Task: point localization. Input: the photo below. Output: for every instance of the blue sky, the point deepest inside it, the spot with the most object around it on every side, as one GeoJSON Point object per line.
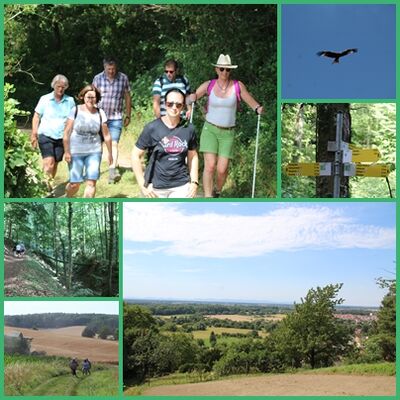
{"type": "Point", "coordinates": [368, 74]}
{"type": "Point", "coordinates": [267, 252]}
{"type": "Point", "coordinates": [74, 307]}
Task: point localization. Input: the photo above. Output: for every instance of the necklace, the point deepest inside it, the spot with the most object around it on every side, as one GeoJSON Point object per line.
{"type": "Point", "coordinates": [223, 89]}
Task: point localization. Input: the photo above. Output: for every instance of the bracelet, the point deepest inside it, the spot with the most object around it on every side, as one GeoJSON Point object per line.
{"type": "Point", "coordinates": [255, 110]}
{"type": "Point", "coordinates": [195, 182]}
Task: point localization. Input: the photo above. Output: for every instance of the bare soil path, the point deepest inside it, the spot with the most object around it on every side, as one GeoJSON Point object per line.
{"type": "Point", "coordinates": [285, 385]}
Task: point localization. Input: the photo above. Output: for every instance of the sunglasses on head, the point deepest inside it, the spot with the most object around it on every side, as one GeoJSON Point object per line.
{"type": "Point", "coordinates": [168, 71]}
{"type": "Point", "coordinates": [170, 104]}
{"type": "Point", "coordinates": [223, 69]}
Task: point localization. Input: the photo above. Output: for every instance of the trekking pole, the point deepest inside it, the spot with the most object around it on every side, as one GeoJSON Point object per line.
{"type": "Point", "coordinates": [255, 157]}
{"type": "Point", "coordinates": [191, 114]}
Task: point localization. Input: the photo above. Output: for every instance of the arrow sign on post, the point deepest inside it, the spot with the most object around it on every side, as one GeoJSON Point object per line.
{"type": "Point", "coordinates": [365, 155]}
{"type": "Point", "coordinates": [308, 169]}
{"type": "Point", "coordinates": [377, 170]}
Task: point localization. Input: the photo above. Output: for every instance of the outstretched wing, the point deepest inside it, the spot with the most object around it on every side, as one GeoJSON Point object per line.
{"type": "Point", "coordinates": [326, 53]}
{"type": "Point", "coordinates": [348, 51]}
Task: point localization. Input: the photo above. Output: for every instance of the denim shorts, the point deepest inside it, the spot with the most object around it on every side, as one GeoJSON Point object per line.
{"type": "Point", "coordinates": [84, 166]}
{"type": "Point", "coordinates": [115, 128]}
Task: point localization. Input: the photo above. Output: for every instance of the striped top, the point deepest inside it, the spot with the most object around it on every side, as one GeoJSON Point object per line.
{"type": "Point", "coordinates": [163, 84]}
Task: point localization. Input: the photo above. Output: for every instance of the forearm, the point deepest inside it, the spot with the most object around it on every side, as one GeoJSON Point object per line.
{"type": "Point", "coordinates": [128, 104]}
{"type": "Point", "coordinates": [137, 167]}
{"type": "Point", "coordinates": [35, 124]}
{"type": "Point", "coordinates": [193, 165]}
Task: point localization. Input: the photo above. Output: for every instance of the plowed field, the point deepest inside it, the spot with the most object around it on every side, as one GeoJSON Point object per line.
{"type": "Point", "coordinates": [68, 342]}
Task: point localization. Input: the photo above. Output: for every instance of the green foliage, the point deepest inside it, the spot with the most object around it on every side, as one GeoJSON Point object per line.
{"type": "Point", "coordinates": [382, 345]}
{"type": "Point", "coordinates": [311, 334]}
{"type": "Point", "coordinates": [88, 332]}
{"type": "Point", "coordinates": [213, 339]}
{"type": "Point", "coordinates": [22, 174]}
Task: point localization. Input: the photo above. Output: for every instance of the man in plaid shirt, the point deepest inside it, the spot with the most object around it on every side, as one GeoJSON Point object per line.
{"type": "Point", "coordinates": [114, 88]}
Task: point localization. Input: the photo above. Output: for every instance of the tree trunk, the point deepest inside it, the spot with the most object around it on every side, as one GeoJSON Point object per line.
{"type": "Point", "coordinates": [326, 131]}
{"type": "Point", "coordinates": [69, 274]}
{"type": "Point", "coordinates": [111, 213]}
{"type": "Point", "coordinates": [55, 244]}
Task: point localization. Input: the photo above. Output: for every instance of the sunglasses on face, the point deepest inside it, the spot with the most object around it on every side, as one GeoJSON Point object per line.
{"type": "Point", "coordinates": [170, 104]}
{"type": "Point", "coordinates": [168, 71]}
{"type": "Point", "coordinates": [225, 69]}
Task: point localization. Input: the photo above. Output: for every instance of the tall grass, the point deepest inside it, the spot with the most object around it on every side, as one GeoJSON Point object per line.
{"type": "Point", "coordinates": [25, 375]}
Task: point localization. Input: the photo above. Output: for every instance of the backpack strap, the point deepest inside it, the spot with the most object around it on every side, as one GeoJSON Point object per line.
{"type": "Point", "coordinates": [210, 87]}
{"type": "Point", "coordinates": [101, 123]}
{"type": "Point", "coordinates": [76, 112]}
{"type": "Point", "coordinates": [237, 91]}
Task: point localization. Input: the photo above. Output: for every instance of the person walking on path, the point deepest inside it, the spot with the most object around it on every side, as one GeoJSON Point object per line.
{"type": "Point", "coordinates": [85, 130]}
{"type": "Point", "coordinates": [172, 170]}
{"type": "Point", "coordinates": [48, 125]}
{"type": "Point", "coordinates": [169, 80]}
{"type": "Point", "coordinates": [74, 366]}
{"type": "Point", "coordinates": [115, 92]}
{"type": "Point", "coordinates": [217, 137]}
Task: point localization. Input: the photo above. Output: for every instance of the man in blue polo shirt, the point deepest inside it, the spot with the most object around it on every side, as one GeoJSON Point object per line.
{"type": "Point", "coordinates": [169, 80]}
{"type": "Point", "coordinates": [48, 124]}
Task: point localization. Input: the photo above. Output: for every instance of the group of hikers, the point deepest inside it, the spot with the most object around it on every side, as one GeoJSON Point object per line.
{"type": "Point", "coordinates": [86, 366]}
{"type": "Point", "coordinates": [19, 249]}
{"type": "Point", "coordinates": [62, 129]}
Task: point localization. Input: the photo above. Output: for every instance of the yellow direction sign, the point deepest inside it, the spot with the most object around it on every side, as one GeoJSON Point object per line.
{"type": "Point", "coordinates": [376, 170]}
{"type": "Point", "coordinates": [365, 155]}
{"type": "Point", "coordinates": [308, 169]}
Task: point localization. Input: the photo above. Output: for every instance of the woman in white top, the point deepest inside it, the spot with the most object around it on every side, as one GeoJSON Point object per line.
{"type": "Point", "coordinates": [84, 133]}
{"type": "Point", "coordinates": [216, 140]}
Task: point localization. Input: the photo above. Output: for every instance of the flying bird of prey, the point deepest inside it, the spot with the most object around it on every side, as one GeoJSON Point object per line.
{"type": "Point", "coordinates": [336, 56]}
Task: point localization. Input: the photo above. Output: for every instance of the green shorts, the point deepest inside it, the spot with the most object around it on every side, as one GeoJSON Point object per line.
{"type": "Point", "coordinates": [216, 140]}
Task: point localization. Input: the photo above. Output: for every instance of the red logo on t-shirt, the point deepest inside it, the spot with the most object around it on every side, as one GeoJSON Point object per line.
{"type": "Point", "coordinates": [174, 145]}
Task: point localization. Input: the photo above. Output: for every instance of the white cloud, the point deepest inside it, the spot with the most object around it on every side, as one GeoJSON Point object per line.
{"type": "Point", "coordinates": [289, 228]}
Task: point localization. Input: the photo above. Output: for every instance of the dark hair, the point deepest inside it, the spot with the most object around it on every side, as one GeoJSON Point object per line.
{"type": "Point", "coordinates": [171, 62]}
{"type": "Point", "coordinates": [175, 90]}
{"type": "Point", "coordinates": [89, 88]}
{"type": "Point", "coordinates": [109, 60]}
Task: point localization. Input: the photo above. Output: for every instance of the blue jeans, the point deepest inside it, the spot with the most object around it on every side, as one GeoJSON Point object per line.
{"type": "Point", "coordinates": [115, 128]}
{"type": "Point", "coordinates": [84, 166]}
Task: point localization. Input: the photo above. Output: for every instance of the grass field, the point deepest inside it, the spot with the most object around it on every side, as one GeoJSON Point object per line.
{"type": "Point", "coordinates": [45, 376]}
{"type": "Point", "coordinates": [205, 335]}
{"type": "Point", "coordinates": [247, 318]}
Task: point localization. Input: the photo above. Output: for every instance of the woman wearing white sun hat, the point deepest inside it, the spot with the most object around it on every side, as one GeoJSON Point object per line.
{"type": "Point", "coordinates": [216, 140]}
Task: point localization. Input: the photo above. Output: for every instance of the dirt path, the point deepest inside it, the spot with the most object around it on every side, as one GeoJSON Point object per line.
{"type": "Point", "coordinates": [12, 266]}
{"type": "Point", "coordinates": [285, 385]}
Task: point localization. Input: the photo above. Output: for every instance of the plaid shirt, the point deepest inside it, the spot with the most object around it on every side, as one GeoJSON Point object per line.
{"type": "Point", "coordinates": [112, 93]}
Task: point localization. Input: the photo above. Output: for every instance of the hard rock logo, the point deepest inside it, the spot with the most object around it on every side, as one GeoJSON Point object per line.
{"type": "Point", "coordinates": [173, 145]}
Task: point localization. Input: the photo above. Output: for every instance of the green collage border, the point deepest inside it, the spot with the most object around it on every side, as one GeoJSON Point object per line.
{"type": "Point", "coordinates": [278, 197]}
